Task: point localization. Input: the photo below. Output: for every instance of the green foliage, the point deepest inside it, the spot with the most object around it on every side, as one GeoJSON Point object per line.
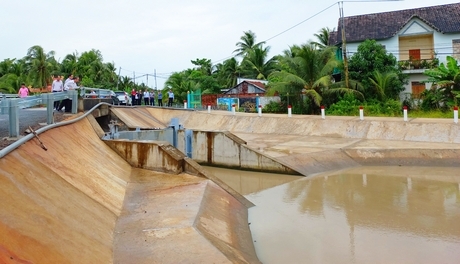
{"type": "Point", "coordinates": [87, 82]}
{"type": "Point", "coordinates": [9, 83]}
{"type": "Point", "coordinates": [446, 86]}
{"type": "Point", "coordinates": [433, 99]}
{"type": "Point", "coordinates": [275, 107]}
{"type": "Point", "coordinates": [349, 106]}
{"type": "Point", "coordinates": [372, 57]}
{"type": "Point", "coordinates": [256, 64]}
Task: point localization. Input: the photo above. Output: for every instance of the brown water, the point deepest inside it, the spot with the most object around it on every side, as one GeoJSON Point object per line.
{"type": "Point", "coordinates": [363, 215]}
{"type": "Point", "coordinates": [246, 182]}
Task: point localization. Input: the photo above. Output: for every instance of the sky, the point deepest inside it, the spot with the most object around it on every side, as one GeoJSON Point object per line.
{"type": "Point", "coordinates": [149, 40]}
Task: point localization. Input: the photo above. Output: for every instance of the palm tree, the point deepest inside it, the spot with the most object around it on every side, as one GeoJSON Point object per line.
{"type": "Point", "coordinates": [180, 84]}
{"type": "Point", "coordinates": [227, 73]}
{"type": "Point", "coordinates": [69, 64]}
{"type": "Point", "coordinates": [6, 66]}
{"type": "Point", "coordinates": [382, 82]}
{"type": "Point", "coordinates": [126, 84]}
{"type": "Point", "coordinates": [309, 72]}
{"type": "Point", "coordinates": [247, 43]}
{"type": "Point", "coordinates": [323, 38]}
{"type": "Point", "coordinates": [110, 76]}
{"type": "Point", "coordinates": [256, 65]}
{"type": "Point", "coordinates": [41, 65]}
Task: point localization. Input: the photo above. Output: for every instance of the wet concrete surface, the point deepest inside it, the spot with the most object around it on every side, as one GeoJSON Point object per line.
{"type": "Point", "coordinates": [360, 215]}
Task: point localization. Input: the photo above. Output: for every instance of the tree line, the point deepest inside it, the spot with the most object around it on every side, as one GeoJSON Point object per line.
{"type": "Point", "coordinates": [306, 75]}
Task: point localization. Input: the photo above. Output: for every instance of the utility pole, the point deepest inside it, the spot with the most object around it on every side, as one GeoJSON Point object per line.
{"type": "Point", "coordinates": [134, 78]}
{"type": "Point", "coordinates": [155, 77]}
{"type": "Point", "coordinates": [342, 21]}
{"type": "Point", "coordinates": [344, 46]}
{"type": "Point", "coordinates": [118, 77]}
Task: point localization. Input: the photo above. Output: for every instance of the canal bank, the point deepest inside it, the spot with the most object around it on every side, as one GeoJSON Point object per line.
{"type": "Point", "coordinates": [309, 144]}
{"type": "Point", "coordinates": [79, 201]}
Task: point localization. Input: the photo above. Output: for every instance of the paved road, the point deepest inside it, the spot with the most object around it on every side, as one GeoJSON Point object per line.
{"type": "Point", "coordinates": [27, 117]}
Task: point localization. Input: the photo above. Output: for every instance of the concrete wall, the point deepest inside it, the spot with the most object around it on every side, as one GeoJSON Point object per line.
{"type": "Point", "coordinates": [162, 156]}
{"type": "Point", "coordinates": [88, 103]}
{"type": "Point", "coordinates": [151, 155]}
{"type": "Point", "coordinates": [158, 135]}
{"type": "Point", "coordinates": [224, 149]}
{"type": "Point", "coordinates": [416, 130]}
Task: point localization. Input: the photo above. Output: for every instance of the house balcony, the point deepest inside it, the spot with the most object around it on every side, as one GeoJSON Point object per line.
{"type": "Point", "coordinates": [418, 66]}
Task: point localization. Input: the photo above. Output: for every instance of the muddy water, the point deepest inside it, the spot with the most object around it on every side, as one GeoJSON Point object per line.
{"type": "Point", "coordinates": [246, 182]}
{"type": "Point", "coordinates": [364, 215]}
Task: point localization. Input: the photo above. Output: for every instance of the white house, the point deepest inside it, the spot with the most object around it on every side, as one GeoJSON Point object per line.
{"type": "Point", "coordinates": [419, 38]}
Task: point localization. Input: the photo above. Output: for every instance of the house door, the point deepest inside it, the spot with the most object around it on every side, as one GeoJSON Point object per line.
{"type": "Point", "coordinates": [414, 54]}
{"type": "Point", "coordinates": [417, 89]}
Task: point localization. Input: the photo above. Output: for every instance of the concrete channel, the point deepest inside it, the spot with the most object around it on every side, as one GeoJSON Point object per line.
{"type": "Point", "coordinates": [138, 194]}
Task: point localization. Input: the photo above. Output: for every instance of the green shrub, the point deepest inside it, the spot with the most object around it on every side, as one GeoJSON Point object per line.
{"type": "Point", "coordinates": [275, 107]}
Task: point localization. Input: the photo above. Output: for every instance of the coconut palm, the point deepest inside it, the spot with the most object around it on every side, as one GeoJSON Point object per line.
{"type": "Point", "coordinates": [382, 82]}
{"type": "Point", "coordinates": [323, 38]}
{"type": "Point", "coordinates": [180, 84]}
{"type": "Point", "coordinates": [69, 64]}
{"type": "Point", "coordinates": [227, 73]}
{"type": "Point", "coordinates": [308, 72]}
{"type": "Point", "coordinates": [41, 65]}
{"type": "Point", "coordinates": [247, 43]}
{"type": "Point", "coordinates": [256, 65]}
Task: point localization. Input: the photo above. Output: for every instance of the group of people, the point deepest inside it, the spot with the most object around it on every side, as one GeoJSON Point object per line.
{"type": "Point", "coordinates": [58, 86]}
{"type": "Point", "coordinates": [148, 97]}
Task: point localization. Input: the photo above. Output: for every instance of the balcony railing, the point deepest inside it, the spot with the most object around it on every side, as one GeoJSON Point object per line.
{"type": "Point", "coordinates": [419, 64]}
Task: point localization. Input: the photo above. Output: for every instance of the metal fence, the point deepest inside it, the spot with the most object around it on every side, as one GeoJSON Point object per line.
{"type": "Point", "coordinates": [194, 99]}
{"type": "Point", "coordinates": [11, 103]}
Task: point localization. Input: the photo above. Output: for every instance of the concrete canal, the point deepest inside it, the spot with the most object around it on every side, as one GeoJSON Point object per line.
{"type": "Point", "coordinates": [138, 193]}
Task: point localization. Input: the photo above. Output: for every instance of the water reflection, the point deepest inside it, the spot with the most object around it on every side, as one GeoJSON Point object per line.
{"type": "Point", "coordinates": [246, 182]}
{"type": "Point", "coordinates": [359, 217]}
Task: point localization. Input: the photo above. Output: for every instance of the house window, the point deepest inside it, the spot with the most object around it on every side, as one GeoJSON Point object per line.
{"type": "Point", "coordinates": [414, 54]}
{"type": "Point", "coordinates": [417, 89]}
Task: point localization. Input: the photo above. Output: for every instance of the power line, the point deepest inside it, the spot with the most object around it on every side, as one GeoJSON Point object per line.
{"type": "Point", "coordinates": [284, 31]}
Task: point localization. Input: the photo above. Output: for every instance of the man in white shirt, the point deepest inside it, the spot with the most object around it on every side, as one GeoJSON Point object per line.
{"type": "Point", "coordinates": [170, 98]}
{"type": "Point", "coordinates": [70, 78]}
{"type": "Point", "coordinates": [146, 97]}
{"type": "Point", "coordinates": [69, 85]}
{"type": "Point", "coordinates": [57, 86]}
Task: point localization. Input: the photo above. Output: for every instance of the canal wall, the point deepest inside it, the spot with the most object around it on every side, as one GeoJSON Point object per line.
{"type": "Point", "coordinates": [224, 149]}
{"type": "Point", "coordinates": [374, 128]}
{"type": "Point", "coordinates": [61, 205]}
{"type": "Point", "coordinates": [79, 201]}
{"type": "Point", "coordinates": [309, 144]}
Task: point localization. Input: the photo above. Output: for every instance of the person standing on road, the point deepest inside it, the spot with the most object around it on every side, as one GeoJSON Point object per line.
{"type": "Point", "coordinates": [57, 86]}
{"type": "Point", "coordinates": [23, 91]}
{"type": "Point", "coordinates": [170, 98]}
{"type": "Point", "coordinates": [152, 98]}
{"type": "Point", "coordinates": [139, 97]}
{"type": "Point", "coordinates": [146, 97]}
{"type": "Point", "coordinates": [160, 99]}
{"type": "Point", "coordinates": [67, 103]}
{"type": "Point", "coordinates": [133, 97]}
